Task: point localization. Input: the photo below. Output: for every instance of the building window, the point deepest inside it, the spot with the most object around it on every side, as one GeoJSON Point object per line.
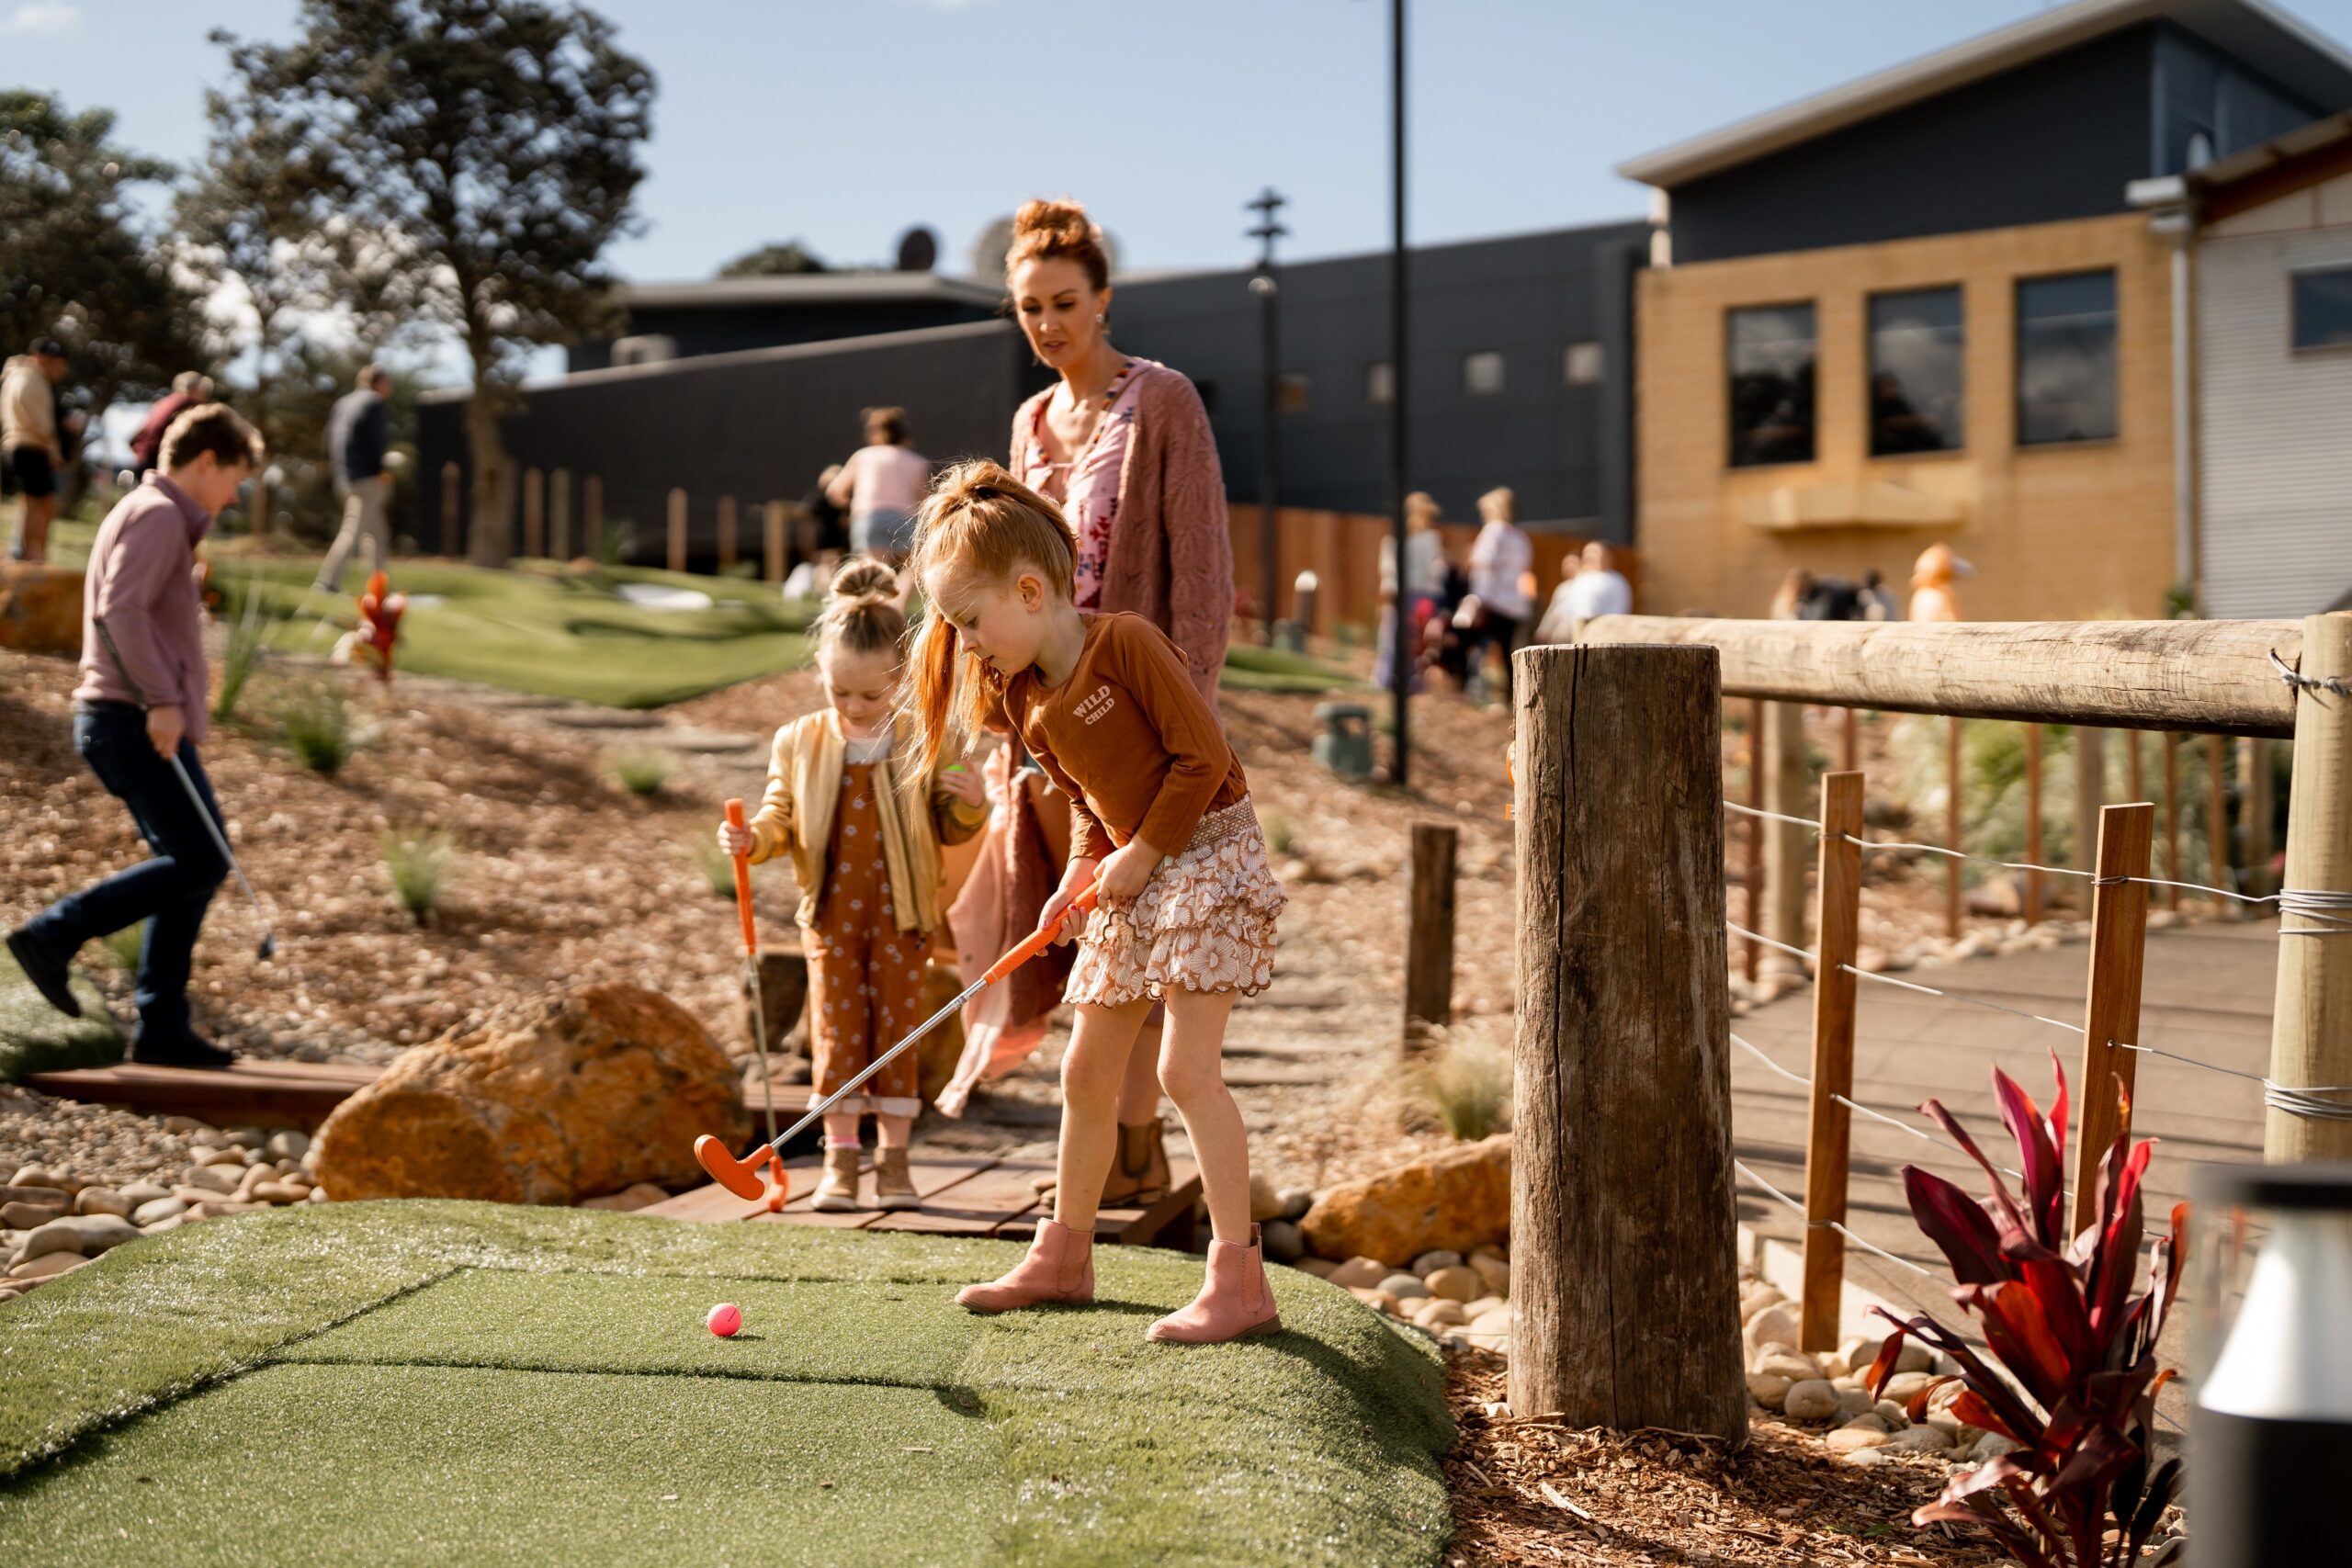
{"type": "Point", "coordinates": [1917, 346]}
{"type": "Point", "coordinates": [1290, 391]}
{"type": "Point", "coordinates": [2323, 308]}
{"type": "Point", "coordinates": [2066, 358]}
{"type": "Point", "coordinates": [1770, 350]}
{"type": "Point", "coordinates": [1581, 363]}
{"type": "Point", "coordinates": [1482, 373]}
{"type": "Point", "coordinates": [1380, 383]}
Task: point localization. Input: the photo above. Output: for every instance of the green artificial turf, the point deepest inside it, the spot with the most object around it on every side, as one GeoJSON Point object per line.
{"type": "Point", "coordinates": [1252, 668]}
{"type": "Point", "coordinates": [425, 1380]}
{"type": "Point", "coordinates": [37, 1038]}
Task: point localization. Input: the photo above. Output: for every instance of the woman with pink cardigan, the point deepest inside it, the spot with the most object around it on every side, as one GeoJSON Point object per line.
{"type": "Point", "coordinates": [1123, 445]}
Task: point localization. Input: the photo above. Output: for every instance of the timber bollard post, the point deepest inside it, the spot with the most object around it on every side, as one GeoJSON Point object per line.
{"type": "Point", "coordinates": [2311, 1028]}
{"type": "Point", "coordinates": [2111, 1004]}
{"type": "Point", "coordinates": [1428, 929]}
{"type": "Point", "coordinates": [677, 554]}
{"type": "Point", "coordinates": [1787, 845]}
{"type": "Point", "coordinates": [773, 517]}
{"type": "Point", "coordinates": [535, 513]}
{"type": "Point", "coordinates": [1624, 1251]}
{"type": "Point", "coordinates": [1829, 1123]}
{"type": "Point", "coordinates": [592, 516]}
{"type": "Point", "coordinates": [727, 526]}
{"type": "Point", "coordinates": [2033, 823]}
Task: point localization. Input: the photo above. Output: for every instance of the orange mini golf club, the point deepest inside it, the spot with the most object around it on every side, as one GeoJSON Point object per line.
{"type": "Point", "coordinates": [741, 1176]}
{"type": "Point", "coordinates": [775, 1189]}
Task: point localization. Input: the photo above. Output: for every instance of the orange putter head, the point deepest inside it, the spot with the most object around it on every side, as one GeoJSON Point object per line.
{"type": "Point", "coordinates": [779, 1183]}
{"type": "Point", "coordinates": [740, 1176]}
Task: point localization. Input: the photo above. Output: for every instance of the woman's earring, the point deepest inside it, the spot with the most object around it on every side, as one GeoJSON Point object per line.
{"type": "Point", "coordinates": [1101, 320]}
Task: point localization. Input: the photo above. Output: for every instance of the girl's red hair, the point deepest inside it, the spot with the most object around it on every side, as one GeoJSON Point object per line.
{"type": "Point", "coordinates": [978, 528]}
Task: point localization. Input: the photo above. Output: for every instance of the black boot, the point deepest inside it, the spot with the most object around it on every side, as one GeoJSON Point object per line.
{"type": "Point", "coordinates": [46, 970]}
{"type": "Point", "coordinates": [181, 1048]}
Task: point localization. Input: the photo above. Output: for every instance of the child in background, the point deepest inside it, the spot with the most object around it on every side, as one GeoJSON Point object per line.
{"type": "Point", "coordinates": [1160, 823]}
{"type": "Point", "coordinates": [865, 850]}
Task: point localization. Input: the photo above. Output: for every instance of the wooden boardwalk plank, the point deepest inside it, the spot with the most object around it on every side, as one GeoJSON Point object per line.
{"type": "Point", "coordinates": [260, 1093]}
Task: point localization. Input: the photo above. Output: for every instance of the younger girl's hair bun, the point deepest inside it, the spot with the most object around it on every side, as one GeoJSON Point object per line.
{"type": "Point", "coordinates": [863, 578]}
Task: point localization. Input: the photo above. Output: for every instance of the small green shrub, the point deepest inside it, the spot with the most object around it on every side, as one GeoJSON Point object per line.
{"type": "Point", "coordinates": [616, 544]}
{"type": "Point", "coordinates": [1282, 833]}
{"type": "Point", "coordinates": [643, 771]}
{"type": "Point", "coordinates": [123, 947]}
{"type": "Point", "coordinates": [317, 721]}
{"type": "Point", "coordinates": [717, 868]}
{"type": "Point", "coordinates": [1466, 1084]}
{"type": "Point", "coordinates": [247, 637]}
{"type": "Point", "coordinates": [419, 861]}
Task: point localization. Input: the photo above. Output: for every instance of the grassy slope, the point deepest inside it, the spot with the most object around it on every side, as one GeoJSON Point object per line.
{"type": "Point", "coordinates": [534, 1382]}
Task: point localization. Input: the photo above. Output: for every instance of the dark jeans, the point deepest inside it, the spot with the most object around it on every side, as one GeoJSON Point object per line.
{"type": "Point", "coordinates": [169, 891]}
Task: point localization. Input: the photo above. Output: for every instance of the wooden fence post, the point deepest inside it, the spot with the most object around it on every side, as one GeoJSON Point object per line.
{"type": "Point", "coordinates": [2311, 1028]}
{"type": "Point", "coordinates": [1428, 929]}
{"type": "Point", "coordinates": [2090, 792]}
{"type": "Point", "coordinates": [2217, 821]}
{"type": "Point", "coordinates": [772, 516]}
{"type": "Point", "coordinates": [1753, 881]}
{"type": "Point", "coordinates": [677, 555]}
{"type": "Point", "coordinates": [2137, 782]}
{"type": "Point", "coordinates": [1849, 744]}
{"type": "Point", "coordinates": [2033, 823]}
{"type": "Point", "coordinates": [1829, 1125]}
{"type": "Point", "coordinates": [559, 514]}
{"type": "Point", "coordinates": [535, 513]}
{"type": "Point", "coordinates": [1955, 826]}
{"type": "Point", "coordinates": [726, 534]}
{"type": "Point", "coordinates": [1786, 844]}
{"type": "Point", "coordinates": [1624, 1285]}
{"type": "Point", "coordinates": [2172, 818]}
{"type": "Point", "coordinates": [592, 516]}
{"type": "Point", "coordinates": [2257, 811]}
{"type": "Point", "coordinates": [2111, 1008]}
{"type": "Point", "coordinates": [453, 492]}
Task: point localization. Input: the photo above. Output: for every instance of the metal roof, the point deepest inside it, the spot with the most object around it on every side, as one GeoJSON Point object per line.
{"type": "Point", "coordinates": [2304, 140]}
{"type": "Point", "coordinates": [2261, 35]}
{"type": "Point", "coordinates": [809, 288]}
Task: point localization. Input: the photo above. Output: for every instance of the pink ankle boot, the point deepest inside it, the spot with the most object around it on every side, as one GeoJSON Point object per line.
{"type": "Point", "coordinates": [1235, 1300]}
{"type": "Point", "coordinates": [1060, 1268]}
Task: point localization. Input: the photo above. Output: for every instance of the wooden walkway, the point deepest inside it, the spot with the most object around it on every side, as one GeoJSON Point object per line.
{"type": "Point", "coordinates": [251, 1092]}
{"type": "Point", "coordinates": [979, 1195]}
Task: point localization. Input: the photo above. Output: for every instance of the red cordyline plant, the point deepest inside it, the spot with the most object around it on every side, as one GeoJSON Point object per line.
{"type": "Point", "coordinates": [2062, 1317]}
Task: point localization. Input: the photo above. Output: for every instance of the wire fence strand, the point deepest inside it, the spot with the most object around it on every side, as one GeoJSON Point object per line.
{"type": "Point", "coordinates": [1742, 1166]}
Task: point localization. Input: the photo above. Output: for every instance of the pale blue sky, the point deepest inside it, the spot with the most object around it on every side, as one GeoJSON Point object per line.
{"type": "Point", "coordinates": [841, 121]}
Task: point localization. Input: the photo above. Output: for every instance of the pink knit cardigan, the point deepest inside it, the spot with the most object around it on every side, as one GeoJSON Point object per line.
{"type": "Point", "coordinates": [1172, 547]}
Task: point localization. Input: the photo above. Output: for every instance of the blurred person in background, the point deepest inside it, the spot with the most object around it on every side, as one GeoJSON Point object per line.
{"type": "Point", "coordinates": [1559, 624]}
{"type": "Point", "coordinates": [1599, 588]}
{"type": "Point", "coordinates": [1932, 597]}
{"type": "Point", "coordinates": [882, 484]}
{"type": "Point", "coordinates": [32, 442]}
{"type": "Point", "coordinates": [1499, 561]}
{"type": "Point", "coordinates": [188, 387]}
{"type": "Point", "coordinates": [1423, 583]}
{"type": "Point", "coordinates": [359, 434]}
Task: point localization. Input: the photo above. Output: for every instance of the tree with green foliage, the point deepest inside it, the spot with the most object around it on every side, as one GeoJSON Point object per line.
{"type": "Point", "coordinates": [73, 262]}
{"type": "Point", "coordinates": [498, 140]}
{"type": "Point", "coordinates": [774, 260]}
{"type": "Point", "coordinates": [294, 278]}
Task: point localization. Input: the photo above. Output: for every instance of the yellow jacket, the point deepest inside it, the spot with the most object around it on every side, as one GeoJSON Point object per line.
{"type": "Point", "coordinates": [797, 814]}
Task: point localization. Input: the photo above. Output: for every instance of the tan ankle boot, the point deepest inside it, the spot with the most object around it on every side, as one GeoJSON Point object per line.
{"type": "Point", "coordinates": [1140, 1176]}
{"type": "Point", "coordinates": [1234, 1301]}
{"type": "Point", "coordinates": [894, 1187]}
{"type": "Point", "coordinates": [1060, 1268]}
{"type": "Point", "coordinates": [837, 1189]}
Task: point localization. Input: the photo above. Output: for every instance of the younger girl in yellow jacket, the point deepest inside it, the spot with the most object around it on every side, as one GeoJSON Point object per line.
{"type": "Point", "coordinates": [867, 854]}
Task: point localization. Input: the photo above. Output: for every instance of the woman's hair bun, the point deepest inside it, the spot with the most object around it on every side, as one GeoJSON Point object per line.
{"type": "Point", "coordinates": [1056, 226]}
{"type": "Point", "coordinates": [862, 577]}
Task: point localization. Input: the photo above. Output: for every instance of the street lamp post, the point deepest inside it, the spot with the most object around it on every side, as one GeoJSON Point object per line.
{"type": "Point", "coordinates": [1400, 662]}
{"type": "Point", "coordinates": [1263, 284]}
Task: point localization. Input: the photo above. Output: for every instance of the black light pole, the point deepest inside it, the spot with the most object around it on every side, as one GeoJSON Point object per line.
{"type": "Point", "coordinates": [1263, 284]}
{"type": "Point", "coordinates": [1400, 670]}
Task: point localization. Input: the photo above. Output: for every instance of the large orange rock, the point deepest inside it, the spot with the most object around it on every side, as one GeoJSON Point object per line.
{"type": "Point", "coordinates": [1453, 1202]}
{"type": "Point", "coordinates": [40, 608]}
{"type": "Point", "coordinates": [569, 1097]}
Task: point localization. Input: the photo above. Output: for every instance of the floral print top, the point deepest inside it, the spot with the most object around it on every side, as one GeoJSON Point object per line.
{"type": "Point", "coordinates": [1087, 487]}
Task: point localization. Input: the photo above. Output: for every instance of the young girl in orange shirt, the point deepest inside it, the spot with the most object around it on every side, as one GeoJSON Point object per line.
{"type": "Point", "coordinates": [1160, 822]}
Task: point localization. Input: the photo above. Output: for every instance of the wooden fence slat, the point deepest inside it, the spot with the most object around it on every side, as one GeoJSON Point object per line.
{"type": "Point", "coordinates": [2090, 792]}
{"type": "Point", "coordinates": [2311, 1028]}
{"type": "Point", "coordinates": [1828, 1125]}
{"type": "Point", "coordinates": [559, 514]}
{"type": "Point", "coordinates": [772, 518]}
{"type": "Point", "coordinates": [2033, 823]}
{"type": "Point", "coordinates": [2171, 818]}
{"type": "Point", "coordinates": [2217, 821]}
{"type": "Point", "coordinates": [1787, 845]}
{"type": "Point", "coordinates": [535, 513]}
{"type": "Point", "coordinates": [726, 534]}
{"type": "Point", "coordinates": [2258, 811]}
{"type": "Point", "coordinates": [1753, 882]}
{"type": "Point", "coordinates": [1428, 929]}
{"type": "Point", "coordinates": [1955, 826]}
{"type": "Point", "coordinates": [677, 553]}
{"type": "Point", "coordinates": [1625, 1286]}
{"type": "Point", "coordinates": [2112, 1007]}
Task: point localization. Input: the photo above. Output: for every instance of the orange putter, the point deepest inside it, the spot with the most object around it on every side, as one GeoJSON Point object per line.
{"type": "Point", "coordinates": [777, 1189]}
{"type": "Point", "coordinates": [741, 1176]}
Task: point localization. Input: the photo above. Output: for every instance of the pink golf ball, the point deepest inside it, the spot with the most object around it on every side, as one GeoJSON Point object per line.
{"type": "Point", "coordinates": [724, 1320]}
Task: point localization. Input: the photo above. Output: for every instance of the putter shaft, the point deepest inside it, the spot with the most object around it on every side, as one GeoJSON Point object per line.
{"type": "Point", "coordinates": [875, 1065]}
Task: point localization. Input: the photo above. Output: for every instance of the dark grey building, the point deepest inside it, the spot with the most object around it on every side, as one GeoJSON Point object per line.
{"type": "Point", "coordinates": [1521, 375]}
{"type": "Point", "coordinates": [2048, 120]}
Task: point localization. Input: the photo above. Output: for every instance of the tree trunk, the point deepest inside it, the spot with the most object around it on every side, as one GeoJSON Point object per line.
{"type": "Point", "coordinates": [490, 532]}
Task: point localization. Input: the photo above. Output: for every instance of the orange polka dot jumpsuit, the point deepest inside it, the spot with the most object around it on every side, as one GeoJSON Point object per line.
{"type": "Point", "coordinates": [866, 975]}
